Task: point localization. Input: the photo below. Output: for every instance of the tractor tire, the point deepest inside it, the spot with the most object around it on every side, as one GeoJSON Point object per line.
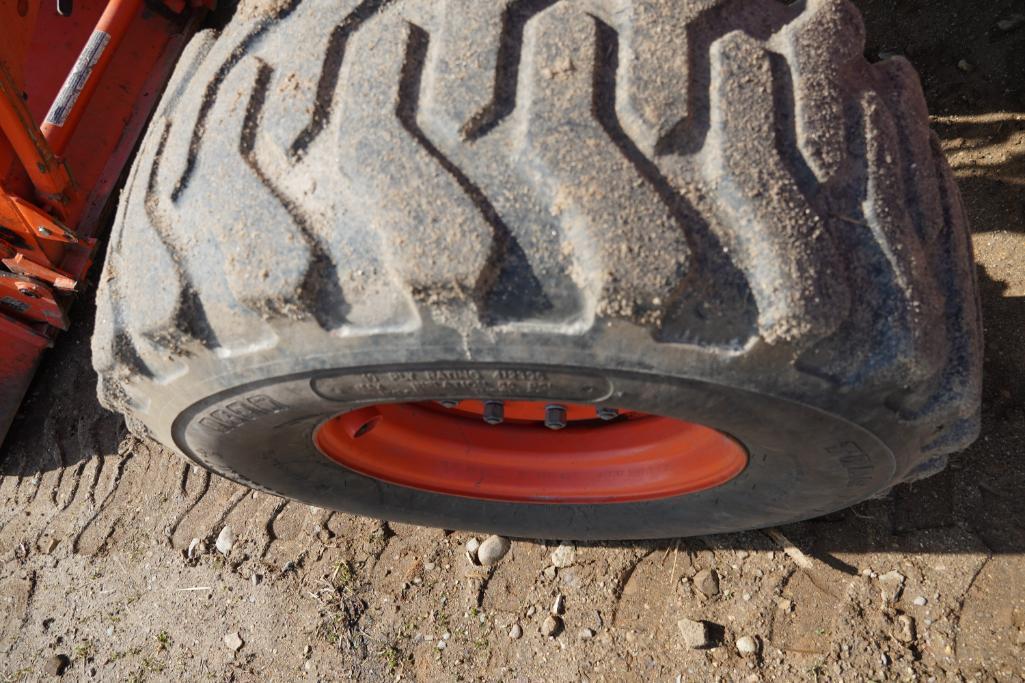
{"type": "Point", "coordinates": [716, 212]}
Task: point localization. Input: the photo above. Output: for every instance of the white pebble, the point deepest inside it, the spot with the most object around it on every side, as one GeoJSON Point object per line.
{"type": "Point", "coordinates": [516, 632]}
{"type": "Point", "coordinates": [746, 645]}
{"type": "Point", "coordinates": [920, 601]}
{"type": "Point", "coordinates": [225, 540]}
{"type": "Point", "coordinates": [564, 556]}
{"type": "Point", "coordinates": [493, 549]}
{"type": "Point", "coordinates": [233, 641]}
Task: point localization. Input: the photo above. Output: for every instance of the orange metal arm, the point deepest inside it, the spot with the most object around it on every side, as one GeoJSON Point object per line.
{"type": "Point", "coordinates": [81, 83]}
{"type": "Point", "coordinates": [48, 174]}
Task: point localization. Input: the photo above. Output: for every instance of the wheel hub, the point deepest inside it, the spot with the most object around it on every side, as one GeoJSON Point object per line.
{"type": "Point", "coordinates": [530, 451]}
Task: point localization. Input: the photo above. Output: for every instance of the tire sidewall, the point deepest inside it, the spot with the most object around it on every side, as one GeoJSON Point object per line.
{"type": "Point", "coordinates": [803, 462]}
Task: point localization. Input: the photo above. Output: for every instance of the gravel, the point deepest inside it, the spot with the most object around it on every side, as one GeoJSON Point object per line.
{"type": "Point", "coordinates": [707, 582]}
{"type": "Point", "coordinates": [225, 540]}
{"type": "Point", "coordinates": [892, 585]}
{"type": "Point", "coordinates": [516, 632]}
{"type": "Point", "coordinates": [905, 629]}
{"type": "Point", "coordinates": [234, 641]}
{"type": "Point", "coordinates": [493, 549]}
{"type": "Point", "coordinates": [747, 645]}
{"type": "Point", "coordinates": [1012, 22]}
{"type": "Point", "coordinates": [56, 665]}
{"type": "Point", "coordinates": [696, 634]}
{"type": "Point", "coordinates": [551, 625]}
{"type": "Point", "coordinates": [564, 556]}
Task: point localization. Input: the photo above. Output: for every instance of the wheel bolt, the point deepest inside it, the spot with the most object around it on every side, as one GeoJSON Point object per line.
{"type": "Point", "coordinates": [448, 403]}
{"type": "Point", "coordinates": [494, 412]}
{"type": "Point", "coordinates": [607, 413]}
{"type": "Point", "coordinates": [555, 416]}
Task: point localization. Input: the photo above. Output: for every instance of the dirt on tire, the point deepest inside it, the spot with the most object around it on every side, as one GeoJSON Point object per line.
{"type": "Point", "coordinates": [97, 579]}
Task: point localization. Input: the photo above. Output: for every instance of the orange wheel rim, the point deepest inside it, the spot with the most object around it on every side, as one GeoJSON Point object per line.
{"type": "Point", "coordinates": [616, 458]}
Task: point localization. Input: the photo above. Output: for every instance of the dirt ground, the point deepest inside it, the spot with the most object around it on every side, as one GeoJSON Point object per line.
{"type": "Point", "coordinates": [96, 573]}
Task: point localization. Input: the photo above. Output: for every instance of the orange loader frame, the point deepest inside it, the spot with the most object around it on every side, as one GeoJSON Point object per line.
{"type": "Point", "coordinates": [91, 72]}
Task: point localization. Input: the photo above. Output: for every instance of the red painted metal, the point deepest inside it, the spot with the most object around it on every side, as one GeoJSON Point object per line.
{"type": "Point", "coordinates": [96, 75]}
{"type": "Point", "coordinates": [635, 457]}
{"type": "Point", "coordinates": [84, 77]}
{"type": "Point", "coordinates": [49, 176]}
{"type": "Point", "coordinates": [23, 346]}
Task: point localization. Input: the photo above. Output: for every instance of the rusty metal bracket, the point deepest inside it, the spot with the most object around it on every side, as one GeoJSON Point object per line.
{"type": "Point", "coordinates": [30, 299]}
{"type": "Point", "coordinates": [33, 233]}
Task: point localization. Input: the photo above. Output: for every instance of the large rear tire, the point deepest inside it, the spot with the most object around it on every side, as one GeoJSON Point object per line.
{"type": "Point", "coordinates": [715, 212]}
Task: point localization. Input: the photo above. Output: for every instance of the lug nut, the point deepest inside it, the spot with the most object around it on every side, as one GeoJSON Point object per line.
{"type": "Point", "coordinates": [494, 412]}
{"type": "Point", "coordinates": [607, 413]}
{"type": "Point", "coordinates": [555, 416]}
{"type": "Point", "coordinates": [448, 403]}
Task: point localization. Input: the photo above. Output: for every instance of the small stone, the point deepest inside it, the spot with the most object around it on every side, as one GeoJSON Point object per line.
{"type": "Point", "coordinates": [516, 632]}
{"type": "Point", "coordinates": [905, 632]}
{"type": "Point", "coordinates": [920, 601]}
{"type": "Point", "coordinates": [785, 605]}
{"type": "Point", "coordinates": [225, 540]}
{"type": "Point", "coordinates": [746, 645]}
{"type": "Point", "coordinates": [234, 642]}
{"type": "Point", "coordinates": [442, 644]}
{"type": "Point", "coordinates": [559, 605]}
{"type": "Point", "coordinates": [472, 546]}
{"type": "Point", "coordinates": [892, 585]}
{"type": "Point", "coordinates": [531, 611]}
{"type": "Point", "coordinates": [707, 582]}
{"type": "Point", "coordinates": [307, 651]}
{"type": "Point", "coordinates": [696, 634]}
{"type": "Point", "coordinates": [746, 597]}
{"type": "Point", "coordinates": [492, 550]}
{"type": "Point", "coordinates": [585, 634]}
{"type": "Point", "coordinates": [551, 625]}
{"type": "Point", "coordinates": [1012, 22]}
{"type": "Point", "coordinates": [56, 665]}
{"type": "Point", "coordinates": [550, 572]}
{"type": "Point", "coordinates": [47, 546]}
{"type": "Point", "coordinates": [564, 556]}
{"type": "Point", "coordinates": [191, 553]}
{"type": "Point", "coordinates": [965, 66]}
